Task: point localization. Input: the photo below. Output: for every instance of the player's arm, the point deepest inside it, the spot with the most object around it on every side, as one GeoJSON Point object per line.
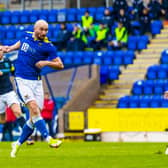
{"type": "Point", "coordinates": [13, 47]}
{"type": "Point", "coordinates": [55, 63]}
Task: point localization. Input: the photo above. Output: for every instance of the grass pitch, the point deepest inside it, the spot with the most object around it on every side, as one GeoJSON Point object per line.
{"type": "Point", "coordinates": [86, 155]}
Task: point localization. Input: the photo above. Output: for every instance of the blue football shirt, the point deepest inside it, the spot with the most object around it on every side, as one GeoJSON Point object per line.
{"type": "Point", "coordinates": [31, 51]}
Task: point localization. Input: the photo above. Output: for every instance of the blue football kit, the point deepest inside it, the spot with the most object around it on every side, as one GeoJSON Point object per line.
{"type": "Point", "coordinates": [31, 51]}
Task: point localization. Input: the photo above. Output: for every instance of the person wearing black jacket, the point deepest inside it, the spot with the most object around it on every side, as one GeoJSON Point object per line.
{"type": "Point", "coordinates": [63, 37]}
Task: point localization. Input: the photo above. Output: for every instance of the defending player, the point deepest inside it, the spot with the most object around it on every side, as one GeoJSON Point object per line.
{"type": "Point", "coordinates": [35, 52]}
{"type": "Point", "coordinates": [7, 95]}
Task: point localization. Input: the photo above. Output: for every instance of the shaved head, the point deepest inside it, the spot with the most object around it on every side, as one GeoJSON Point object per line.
{"type": "Point", "coordinates": [40, 23]}
{"type": "Point", "coordinates": [40, 29]}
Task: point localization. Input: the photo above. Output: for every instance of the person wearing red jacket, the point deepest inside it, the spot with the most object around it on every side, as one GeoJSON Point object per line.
{"type": "Point", "coordinates": [47, 111]}
{"type": "Point", "coordinates": [10, 119]}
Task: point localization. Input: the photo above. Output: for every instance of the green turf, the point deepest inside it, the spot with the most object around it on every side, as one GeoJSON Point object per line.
{"type": "Point", "coordinates": [86, 155]}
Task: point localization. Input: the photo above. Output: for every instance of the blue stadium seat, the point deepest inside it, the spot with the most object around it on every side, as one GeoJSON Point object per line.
{"type": "Point", "coordinates": [118, 57]}
{"type": "Point", "coordinates": [148, 87]}
{"type": "Point", "coordinates": [155, 102]}
{"type": "Point", "coordinates": [98, 17]}
{"type": "Point", "coordinates": [25, 17]}
{"type": "Point", "coordinates": [142, 42]}
{"type": "Point", "coordinates": [114, 72]}
{"type": "Point", "coordinates": [137, 88]}
{"type": "Point", "coordinates": [128, 57]}
{"type": "Point", "coordinates": [78, 58]}
{"type": "Point", "coordinates": [164, 57]}
{"type": "Point", "coordinates": [108, 58]}
{"type": "Point", "coordinates": [144, 102]}
{"type": "Point", "coordinates": [133, 102]}
{"type": "Point", "coordinates": [92, 11]}
{"type": "Point", "coordinates": [88, 57]}
{"type": "Point", "coordinates": [71, 17]}
{"type": "Point", "coordinates": [98, 57]}
{"type": "Point", "coordinates": [2, 34]}
{"type": "Point", "coordinates": [6, 17]}
{"type": "Point", "coordinates": [152, 72]}
{"type": "Point", "coordinates": [159, 87]}
{"type": "Point", "coordinates": [68, 58]}
{"type": "Point", "coordinates": [52, 16]}
{"type": "Point", "coordinates": [156, 26]}
{"type": "Point", "coordinates": [15, 17]}
{"type": "Point", "coordinates": [101, 9]}
{"type": "Point", "coordinates": [123, 102]}
{"type": "Point", "coordinates": [44, 13]}
{"type": "Point", "coordinates": [164, 103]}
{"type": "Point", "coordinates": [104, 70]}
{"type": "Point", "coordinates": [34, 15]}
{"type": "Point", "coordinates": [132, 42]}
{"type": "Point", "coordinates": [162, 72]}
{"type": "Point", "coordinates": [10, 32]}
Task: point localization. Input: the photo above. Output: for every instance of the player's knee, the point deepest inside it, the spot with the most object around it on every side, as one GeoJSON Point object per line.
{"type": "Point", "coordinates": [34, 110]}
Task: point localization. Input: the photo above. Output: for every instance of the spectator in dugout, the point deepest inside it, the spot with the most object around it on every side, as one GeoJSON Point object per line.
{"type": "Point", "coordinates": [145, 22]}
{"type": "Point", "coordinates": [138, 6]}
{"type": "Point", "coordinates": [63, 37]}
{"type": "Point", "coordinates": [108, 19]}
{"type": "Point", "coordinates": [101, 38]}
{"type": "Point", "coordinates": [155, 9]}
{"type": "Point", "coordinates": [47, 111]}
{"type": "Point", "coordinates": [124, 18]}
{"type": "Point", "coordinates": [119, 4]}
{"type": "Point", "coordinates": [78, 41]}
{"type": "Point", "coordinates": [121, 38]}
{"type": "Point", "coordinates": [86, 21]}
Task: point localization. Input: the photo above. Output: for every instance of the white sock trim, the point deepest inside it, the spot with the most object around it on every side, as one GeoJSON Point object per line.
{"type": "Point", "coordinates": [36, 118]}
{"type": "Point", "coordinates": [30, 124]}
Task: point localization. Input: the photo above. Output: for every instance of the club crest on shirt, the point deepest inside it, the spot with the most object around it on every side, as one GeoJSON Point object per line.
{"type": "Point", "coordinates": [26, 97]}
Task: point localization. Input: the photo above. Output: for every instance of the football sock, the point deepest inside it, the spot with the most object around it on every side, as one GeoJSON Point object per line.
{"type": "Point", "coordinates": [39, 123]}
{"type": "Point", "coordinates": [21, 120]}
{"type": "Point", "coordinates": [26, 132]}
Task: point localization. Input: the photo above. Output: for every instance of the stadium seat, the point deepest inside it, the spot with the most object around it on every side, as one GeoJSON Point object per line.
{"type": "Point", "coordinates": [155, 102]}
{"type": "Point", "coordinates": [15, 17]}
{"type": "Point", "coordinates": [162, 72]}
{"type": "Point", "coordinates": [44, 13]}
{"type": "Point", "coordinates": [133, 102]}
{"type": "Point", "coordinates": [114, 72]}
{"type": "Point", "coordinates": [52, 16]}
{"type": "Point", "coordinates": [118, 57]}
{"type": "Point", "coordinates": [148, 87]}
{"type": "Point", "coordinates": [78, 58]}
{"type": "Point", "coordinates": [132, 43]}
{"type": "Point", "coordinates": [88, 57]}
{"type": "Point", "coordinates": [164, 57]}
{"type": "Point", "coordinates": [156, 26]}
{"type": "Point", "coordinates": [10, 32]}
{"type": "Point", "coordinates": [68, 58]}
{"type": "Point", "coordinates": [164, 103]}
{"type": "Point", "coordinates": [128, 57]}
{"type": "Point", "coordinates": [108, 58]}
{"type": "Point", "coordinates": [6, 17]}
{"type": "Point", "coordinates": [152, 72]}
{"type": "Point", "coordinates": [158, 87]}
{"type": "Point", "coordinates": [104, 71]}
{"type": "Point", "coordinates": [123, 102]}
{"type": "Point", "coordinates": [137, 88]}
{"type": "Point", "coordinates": [34, 15]}
{"type": "Point", "coordinates": [142, 42]}
{"type": "Point", "coordinates": [98, 57]}
{"type": "Point", "coordinates": [25, 17]}
{"type": "Point", "coordinates": [144, 101]}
